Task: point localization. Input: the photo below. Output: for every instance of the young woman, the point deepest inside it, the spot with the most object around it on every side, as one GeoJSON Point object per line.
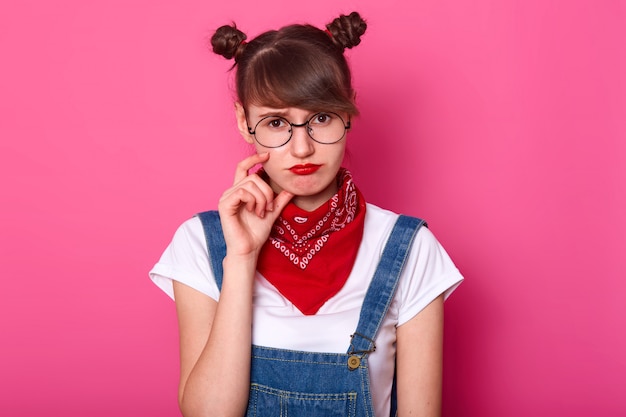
{"type": "Point", "coordinates": [300, 298]}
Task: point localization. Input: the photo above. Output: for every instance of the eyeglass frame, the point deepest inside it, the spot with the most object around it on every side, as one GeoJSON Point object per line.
{"type": "Point", "coordinates": [346, 127]}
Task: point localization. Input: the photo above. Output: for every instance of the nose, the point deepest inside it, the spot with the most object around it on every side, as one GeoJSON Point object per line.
{"type": "Point", "coordinates": [301, 143]}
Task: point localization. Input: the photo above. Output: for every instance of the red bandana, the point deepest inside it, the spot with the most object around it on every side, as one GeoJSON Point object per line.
{"type": "Point", "coordinates": [309, 255]}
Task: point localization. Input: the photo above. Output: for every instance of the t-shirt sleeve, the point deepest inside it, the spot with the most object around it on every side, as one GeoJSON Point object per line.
{"type": "Point", "coordinates": [185, 260]}
{"type": "Point", "coordinates": [429, 272]}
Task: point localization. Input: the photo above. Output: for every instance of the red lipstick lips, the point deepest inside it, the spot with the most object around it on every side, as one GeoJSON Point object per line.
{"type": "Point", "coordinates": [305, 169]}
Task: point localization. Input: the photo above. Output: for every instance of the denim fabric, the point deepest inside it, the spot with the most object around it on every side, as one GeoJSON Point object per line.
{"type": "Point", "coordinates": [290, 383]}
{"type": "Point", "coordinates": [293, 383]}
{"type": "Point", "coordinates": [215, 242]}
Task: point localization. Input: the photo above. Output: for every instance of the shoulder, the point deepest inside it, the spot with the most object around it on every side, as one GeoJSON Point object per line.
{"type": "Point", "coordinates": [186, 260]}
{"type": "Point", "coordinates": [379, 219]}
{"type": "Point", "coordinates": [379, 222]}
{"type": "Point", "coordinates": [191, 234]}
{"type": "Point", "coordinates": [374, 211]}
{"type": "Point", "coordinates": [428, 271]}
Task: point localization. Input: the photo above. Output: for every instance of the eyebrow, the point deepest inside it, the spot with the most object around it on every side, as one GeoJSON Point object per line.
{"type": "Point", "coordinates": [281, 113]}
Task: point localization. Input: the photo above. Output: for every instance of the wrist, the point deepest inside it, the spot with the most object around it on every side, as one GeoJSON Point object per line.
{"type": "Point", "coordinates": [239, 273]}
{"type": "Point", "coordinates": [241, 261]}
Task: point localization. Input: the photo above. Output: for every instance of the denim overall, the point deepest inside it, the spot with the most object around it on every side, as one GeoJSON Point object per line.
{"type": "Point", "coordinates": [289, 383]}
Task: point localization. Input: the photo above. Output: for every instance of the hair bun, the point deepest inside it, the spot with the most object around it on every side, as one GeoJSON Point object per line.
{"type": "Point", "coordinates": [228, 41]}
{"type": "Point", "coordinates": [347, 30]}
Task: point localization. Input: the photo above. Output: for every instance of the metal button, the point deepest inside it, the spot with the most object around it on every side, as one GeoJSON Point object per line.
{"type": "Point", "coordinates": [353, 362]}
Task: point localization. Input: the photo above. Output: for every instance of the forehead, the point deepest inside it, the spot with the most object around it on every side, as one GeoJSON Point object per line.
{"type": "Point", "coordinates": [256, 111]}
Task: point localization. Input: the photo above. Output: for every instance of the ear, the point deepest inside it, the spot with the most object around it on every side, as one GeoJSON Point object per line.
{"type": "Point", "coordinates": [242, 123]}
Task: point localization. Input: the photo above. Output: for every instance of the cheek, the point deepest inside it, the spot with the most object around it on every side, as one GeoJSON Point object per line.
{"type": "Point", "coordinates": [258, 148]}
{"type": "Point", "coordinates": [276, 156]}
{"type": "Point", "coordinates": [339, 154]}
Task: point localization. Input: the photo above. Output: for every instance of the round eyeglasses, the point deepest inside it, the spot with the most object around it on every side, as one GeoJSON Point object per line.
{"type": "Point", "coordinates": [276, 131]}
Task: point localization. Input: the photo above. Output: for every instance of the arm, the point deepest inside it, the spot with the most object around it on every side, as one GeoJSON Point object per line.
{"type": "Point", "coordinates": [215, 337]}
{"type": "Point", "coordinates": [419, 362]}
{"type": "Point", "coordinates": [215, 344]}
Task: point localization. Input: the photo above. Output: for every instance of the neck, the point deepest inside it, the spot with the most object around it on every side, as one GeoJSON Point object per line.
{"type": "Point", "coordinates": [309, 203]}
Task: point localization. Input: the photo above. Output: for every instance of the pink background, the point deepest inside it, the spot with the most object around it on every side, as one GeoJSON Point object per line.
{"type": "Point", "coordinates": [501, 122]}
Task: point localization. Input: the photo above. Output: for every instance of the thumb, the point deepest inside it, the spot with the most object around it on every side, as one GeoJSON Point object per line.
{"type": "Point", "coordinates": [280, 202]}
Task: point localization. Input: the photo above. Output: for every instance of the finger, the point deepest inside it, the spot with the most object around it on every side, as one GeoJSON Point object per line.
{"type": "Point", "coordinates": [231, 204]}
{"type": "Point", "coordinates": [250, 194]}
{"type": "Point", "coordinates": [280, 202]}
{"type": "Point", "coordinates": [262, 186]}
{"type": "Point", "coordinates": [244, 166]}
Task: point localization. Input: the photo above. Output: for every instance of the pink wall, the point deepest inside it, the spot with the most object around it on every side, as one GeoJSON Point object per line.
{"type": "Point", "coordinates": [501, 122]}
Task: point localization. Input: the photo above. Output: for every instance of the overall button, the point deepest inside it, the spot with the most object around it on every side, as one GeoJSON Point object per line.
{"type": "Point", "coordinates": [353, 362]}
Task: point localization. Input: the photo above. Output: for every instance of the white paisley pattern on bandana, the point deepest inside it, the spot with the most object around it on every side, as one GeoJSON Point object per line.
{"type": "Point", "coordinates": [301, 249]}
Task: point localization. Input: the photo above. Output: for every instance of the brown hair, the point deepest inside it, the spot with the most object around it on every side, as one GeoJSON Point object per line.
{"type": "Point", "coordinates": [297, 66]}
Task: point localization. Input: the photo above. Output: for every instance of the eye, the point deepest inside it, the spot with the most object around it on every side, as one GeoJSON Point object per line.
{"type": "Point", "coordinates": [322, 119]}
{"type": "Point", "coordinates": [275, 123]}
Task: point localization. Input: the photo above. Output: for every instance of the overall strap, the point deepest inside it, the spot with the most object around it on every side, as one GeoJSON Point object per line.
{"type": "Point", "coordinates": [384, 283]}
{"type": "Point", "coordinates": [214, 242]}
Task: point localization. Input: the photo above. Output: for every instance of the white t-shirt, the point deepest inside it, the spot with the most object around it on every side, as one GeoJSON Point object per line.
{"type": "Point", "coordinates": [429, 272]}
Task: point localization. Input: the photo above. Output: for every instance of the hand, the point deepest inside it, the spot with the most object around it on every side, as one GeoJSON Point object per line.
{"type": "Point", "coordinates": [248, 209]}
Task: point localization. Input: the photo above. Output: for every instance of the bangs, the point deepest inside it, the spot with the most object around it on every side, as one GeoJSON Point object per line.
{"type": "Point", "coordinates": [295, 76]}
